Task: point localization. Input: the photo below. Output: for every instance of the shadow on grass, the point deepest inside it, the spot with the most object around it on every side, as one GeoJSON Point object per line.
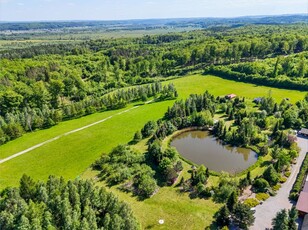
{"type": "Point", "coordinates": [266, 163]}
{"type": "Point", "coordinates": [132, 142]}
{"type": "Point", "coordinates": [150, 226]}
{"type": "Point", "coordinates": [213, 226]}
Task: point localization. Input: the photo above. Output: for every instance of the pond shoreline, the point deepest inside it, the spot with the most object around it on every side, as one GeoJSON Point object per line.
{"type": "Point", "coordinates": [249, 156]}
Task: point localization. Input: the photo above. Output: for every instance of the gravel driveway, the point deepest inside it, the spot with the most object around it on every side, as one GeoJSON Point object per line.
{"type": "Point", "coordinates": [267, 211]}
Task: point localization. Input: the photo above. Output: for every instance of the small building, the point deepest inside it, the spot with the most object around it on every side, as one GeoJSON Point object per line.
{"type": "Point", "coordinates": [303, 131]}
{"type": "Point", "coordinates": [231, 96]}
{"type": "Point", "coordinates": [302, 204]}
{"type": "Point", "coordinates": [257, 100]}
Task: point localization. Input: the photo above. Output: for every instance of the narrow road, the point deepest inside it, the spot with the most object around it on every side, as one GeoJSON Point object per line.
{"type": "Point", "coordinates": [267, 211]}
{"type": "Point", "coordinates": [65, 134]}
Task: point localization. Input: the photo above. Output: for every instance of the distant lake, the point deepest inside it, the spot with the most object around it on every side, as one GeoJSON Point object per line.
{"type": "Point", "coordinates": [202, 148]}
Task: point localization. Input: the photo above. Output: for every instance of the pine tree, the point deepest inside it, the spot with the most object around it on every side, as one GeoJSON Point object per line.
{"type": "Point", "coordinates": [223, 217]}
{"type": "Point", "coordinates": [280, 222]}
{"type": "Point", "coordinates": [232, 200]}
{"type": "Point", "coordinates": [292, 218]}
{"type": "Point", "coordinates": [23, 223]}
{"type": "Point", "coordinates": [107, 221]}
{"type": "Point", "coordinates": [27, 187]}
{"type": "Point", "coordinates": [248, 177]}
{"type": "Point", "coordinates": [47, 221]}
{"type": "Point", "coordinates": [242, 216]}
{"type": "Point", "coordinates": [84, 224]}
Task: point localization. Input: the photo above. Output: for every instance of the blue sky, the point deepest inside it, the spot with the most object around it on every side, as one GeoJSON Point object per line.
{"type": "Point", "coordinates": [28, 10]}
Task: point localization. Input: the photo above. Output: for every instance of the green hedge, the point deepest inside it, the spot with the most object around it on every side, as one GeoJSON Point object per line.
{"type": "Point", "coordinates": [299, 180]}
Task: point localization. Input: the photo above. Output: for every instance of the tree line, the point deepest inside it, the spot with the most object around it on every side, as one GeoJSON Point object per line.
{"type": "Point", "coordinates": [289, 72]}
{"type": "Point", "coordinates": [17, 117]}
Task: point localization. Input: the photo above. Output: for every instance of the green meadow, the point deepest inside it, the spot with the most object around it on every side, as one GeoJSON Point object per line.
{"type": "Point", "coordinates": [71, 155]}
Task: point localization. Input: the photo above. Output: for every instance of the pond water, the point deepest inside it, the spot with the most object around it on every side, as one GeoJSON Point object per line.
{"type": "Point", "coordinates": [202, 148]}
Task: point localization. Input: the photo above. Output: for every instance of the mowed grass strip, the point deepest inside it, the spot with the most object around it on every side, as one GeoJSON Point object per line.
{"type": "Point", "coordinates": [69, 156]}
{"type": "Point", "coordinates": [30, 139]}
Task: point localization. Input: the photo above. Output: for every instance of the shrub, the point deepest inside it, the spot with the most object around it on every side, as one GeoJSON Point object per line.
{"type": "Point", "coordinates": [137, 136]}
{"type": "Point", "coordinates": [251, 202]}
{"type": "Point", "coordinates": [283, 179]}
{"type": "Point", "coordinates": [149, 129]}
{"type": "Point", "coordinates": [263, 150]}
{"type": "Point", "coordinates": [272, 192]}
{"type": "Point", "coordinates": [262, 196]}
{"type": "Point", "coordinates": [276, 187]}
{"type": "Point", "coordinates": [287, 174]}
{"type": "Point", "coordinates": [271, 175]}
{"type": "Point", "coordinates": [222, 193]}
{"type": "Point", "coordinates": [293, 196]}
{"type": "Point", "coordinates": [261, 185]}
{"type": "Point", "coordinates": [146, 186]}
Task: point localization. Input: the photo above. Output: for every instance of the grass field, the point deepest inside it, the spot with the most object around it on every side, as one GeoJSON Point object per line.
{"type": "Point", "coordinates": [177, 209]}
{"type": "Point", "coordinates": [71, 155]}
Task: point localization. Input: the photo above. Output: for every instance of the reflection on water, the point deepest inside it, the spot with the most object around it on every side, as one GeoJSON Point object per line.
{"type": "Point", "coordinates": [201, 148]}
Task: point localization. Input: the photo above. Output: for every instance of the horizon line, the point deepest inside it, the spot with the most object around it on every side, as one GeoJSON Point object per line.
{"type": "Point", "coordinates": [141, 19]}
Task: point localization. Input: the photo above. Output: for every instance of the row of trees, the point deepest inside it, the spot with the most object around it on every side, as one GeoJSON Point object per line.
{"type": "Point", "coordinates": [14, 122]}
{"type": "Point", "coordinates": [288, 72]}
{"type": "Point", "coordinates": [285, 220]}
{"type": "Point", "coordinates": [57, 204]}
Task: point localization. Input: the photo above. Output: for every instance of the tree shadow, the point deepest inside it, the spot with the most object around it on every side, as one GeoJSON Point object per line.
{"type": "Point", "coordinates": [132, 142]}
{"type": "Point", "coordinates": [150, 226]}
{"type": "Point", "coordinates": [265, 163]}
{"type": "Point", "coordinates": [213, 226]}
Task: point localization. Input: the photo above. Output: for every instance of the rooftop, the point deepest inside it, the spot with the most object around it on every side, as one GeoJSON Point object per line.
{"type": "Point", "coordinates": [230, 96]}
{"type": "Point", "coordinates": [302, 203]}
{"type": "Point", "coordinates": [304, 131]}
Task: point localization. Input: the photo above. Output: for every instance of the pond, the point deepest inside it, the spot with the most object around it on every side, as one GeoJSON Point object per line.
{"type": "Point", "coordinates": [202, 148]}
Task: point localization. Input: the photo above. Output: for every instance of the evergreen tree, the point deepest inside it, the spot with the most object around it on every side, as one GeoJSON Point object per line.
{"type": "Point", "coordinates": [232, 200]}
{"type": "Point", "coordinates": [292, 218]}
{"type": "Point", "coordinates": [271, 175]}
{"type": "Point", "coordinates": [280, 222]}
{"type": "Point", "coordinates": [242, 216]}
{"type": "Point", "coordinates": [27, 187]}
{"type": "Point", "coordinates": [24, 223]}
{"type": "Point", "coordinates": [223, 216]}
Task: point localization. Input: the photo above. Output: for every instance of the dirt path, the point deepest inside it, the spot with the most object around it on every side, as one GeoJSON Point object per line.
{"type": "Point", "coordinates": [65, 134]}
{"type": "Point", "coordinates": [267, 211]}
